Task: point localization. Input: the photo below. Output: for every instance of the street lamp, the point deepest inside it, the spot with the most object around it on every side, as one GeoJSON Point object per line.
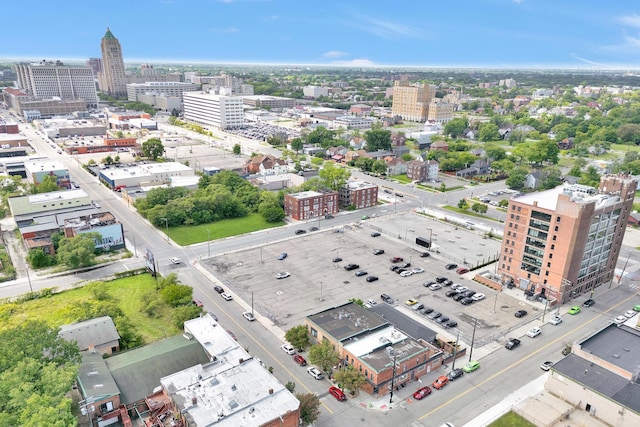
{"type": "Point", "coordinates": [166, 224]}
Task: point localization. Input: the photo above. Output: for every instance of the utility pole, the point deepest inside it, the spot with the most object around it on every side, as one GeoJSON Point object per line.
{"type": "Point", "coordinates": [453, 366]}
{"type": "Point", "coordinates": [473, 337]}
{"type": "Point", "coordinates": [393, 375]}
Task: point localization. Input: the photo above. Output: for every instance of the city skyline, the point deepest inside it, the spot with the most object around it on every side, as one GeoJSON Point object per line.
{"type": "Point", "coordinates": [483, 33]}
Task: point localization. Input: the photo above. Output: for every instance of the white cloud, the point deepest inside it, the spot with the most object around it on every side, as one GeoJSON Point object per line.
{"type": "Point", "coordinates": [587, 61]}
{"type": "Point", "coordinates": [632, 20]}
{"type": "Point", "coordinates": [334, 54]}
{"type": "Point", "coordinates": [518, 1]}
{"type": "Point", "coordinates": [629, 46]}
{"type": "Point", "coordinates": [225, 30]}
{"type": "Point", "coordinates": [385, 29]}
{"type": "Point", "coordinates": [361, 62]}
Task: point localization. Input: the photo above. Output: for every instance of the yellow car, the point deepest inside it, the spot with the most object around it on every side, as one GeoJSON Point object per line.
{"type": "Point", "coordinates": [411, 302]}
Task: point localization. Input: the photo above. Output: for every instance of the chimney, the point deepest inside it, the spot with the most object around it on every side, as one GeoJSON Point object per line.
{"type": "Point", "coordinates": [194, 401]}
{"type": "Point", "coordinates": [270, 391]}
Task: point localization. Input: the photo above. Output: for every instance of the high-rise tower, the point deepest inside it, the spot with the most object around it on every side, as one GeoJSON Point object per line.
{"type": "Point", "coordinates": [112, 79]}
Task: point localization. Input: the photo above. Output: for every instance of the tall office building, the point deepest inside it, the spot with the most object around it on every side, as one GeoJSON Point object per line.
{"type": "Point", "coordinates": [411, 102]}
{"type": "Point", "coordinates": [224, 112]}
{"type": "Point", "coordinates": [112, 79]}
{"type": "Point", "coordinates": [48, 80]}
{"type": "Point", "coordinates": [564, 242]}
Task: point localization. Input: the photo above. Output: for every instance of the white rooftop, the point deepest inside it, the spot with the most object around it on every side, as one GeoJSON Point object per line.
{"type": "Point", "coordinates": [57, 195]}
{"type": "Point", "coordinates": [548, 199]}
{"type": "Point", "coordinates": [382, 338]}
{"type": "Point", "coordinates": [306, 194]}
{"type": "Point", "coordinates": [43, 165]}
{"type": "Point", "coordinates": [145, 170]}
{"type": "Point", "coordinates": [353, 185]}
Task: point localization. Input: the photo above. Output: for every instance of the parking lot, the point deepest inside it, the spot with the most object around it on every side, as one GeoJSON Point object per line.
{"type": "Point", "coordinates": [316, 282]}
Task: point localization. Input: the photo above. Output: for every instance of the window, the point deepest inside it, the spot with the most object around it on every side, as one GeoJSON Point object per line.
{"type": "Point", "coordinates": [555, 228]}
{"type": "Point", "coordinates": [512, 216]}
{"type": "Point", "coordinates": [546, 273]}
{"type": "Point", "coordinates": [554, 238]}
{"type": "Point", "coordinates": [550, 256]}
{"type": "Point", "coordinates": [549, 264]}
{"type": "Point", "coordinates": [553, 247]}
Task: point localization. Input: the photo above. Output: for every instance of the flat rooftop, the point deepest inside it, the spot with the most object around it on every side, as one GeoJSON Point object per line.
{"type": "Point", "coordinates": [619, 346]}
{"type": "Point", "coordinates": [57, 195]}
{"type": "Point", "coordinates": [145, 170]}
{"type": "Point", "coordinates": [347, 321]}
{"type": "Point", "coordinates": [581, 194]}
{"type": "Point", "coordinates": [382, 358]}
{"type": "Point", "coordinates": [306, 194]}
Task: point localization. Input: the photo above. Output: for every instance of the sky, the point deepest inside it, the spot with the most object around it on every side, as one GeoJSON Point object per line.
{"type": "Point", "coordinates": [430, 33]}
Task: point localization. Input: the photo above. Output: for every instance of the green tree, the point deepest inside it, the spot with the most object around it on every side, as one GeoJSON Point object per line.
{"type": "Point", "coordinates": [516, 178]}
{"type": "Point", "coordinates": [176, 295]}
{"type": "Point", "coordinates": [78, 251]}
{"type": "Point", "coordinates": [479, 208]}
{"type": "Point", "coordinates": [48, 184]}
{"type": "Point", "coordinates": [590, 177]}
{"type": "Point", "coordinates": [349, 378]}
{"type": "Point", "coordinates": [322, 137]}
{"type": "Point", "coordinates": [271, 212]}
{"type": "Point", "coordinates": [152, 148]}
{"type": "Point", "coordinates": [553, 178]}
{"type": "Point", "coordinates": [455, 128]}
{"type": "Point", "coordinates": [290, 385]}
{"type": "Point", "coordinates": [107, 160]}
{"type": "Point", "coordinates": [503, 203]}
{"type": "Point", "coordinates": [407, 157]}
{"type": "Point", "coordinates": [38, 258]}
{"type": "Point", "coordinates": [323, 355]}
{"type": "Point", "coordinates": [297, 144]}
{"type": "Point", "coordinates": [298, 336]}
{"type": "Point", "coordinates": [333, 177]}
{"type": "Point", "coordinates": [379, 166]}
{"type": "Point", "coordinates": [309, 407]}
{"type": "Point", "coordinates": [495, 152]}
{"type": "Point", "coordinates": [488, 132]}
{"type": "Point", "coordinates": [378, 139]}
{"type": "Point", "coordinates": [462, 204]}
{"type": "Point", "coordinates": [629, 133]}
{"type": "Point", "coordinates": [237, 149]}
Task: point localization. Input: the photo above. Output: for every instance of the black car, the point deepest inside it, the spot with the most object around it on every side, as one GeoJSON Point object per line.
{"type": "Point", "coordinates": [372, 278]}
{"type": "Point", "coordinates": [447, 282]}
{"type": "Point", "coordinates": [451, 324]}
{"type": "Point", "coordinates": [398, 195]}
{"type": "Point", "coordinates": [375, 234]}
{"type": "Point", "coordinates": [350, 267]}
{"type": "Point", "coordinates": [300, 231]}
{"type": "Point", "coordinates": [455, 374]}
{"type": "Point", "coordinates": [425, 255]}
{"type": "Point", "coordinates": [435, 315]}
{"type": "Point", "coordinates": [520, 313]}
{"type": "Point", "coordinates": [442, 319]}
{"type": "Point", "coordinates": [218, 289]}
{"type": "Point", "coordinates": [360, 273]}
{"type": "Point", "coordinates": [405, 265]}
{"type": "Point", "coordinates": [466, 301]}
{"type": "Point", "coordinates": [441, 279]}
{"type": "Point", "coordinates": [328, 216]}
{"type": "Point", "coordinates": [451, 293]}
{"type": "Point", "coordinates": [378, 251]}
{"type": "Point", "coordinates": [426, 310]}
{"type": "Point", "coordinates": [394, 267]}
{"type": "Point", "coordinates": [451, 266]}
{"type": "Point", "coordinates": [512, 343]}
{"type": "Point", "coordinates": [469, 293]}
{"type": "Point", "coordinates": [314, 229]}
{"type": "Point", "coordinates": [399, 270]}
{"type": "Point", "coordinates": [337, 259]}
{"type": "Point", "coordinates": [458, 297]}
{"type": "Point", "coordinates": [386, 298]}
{"type": "Point", "coordinates": [589, 302]}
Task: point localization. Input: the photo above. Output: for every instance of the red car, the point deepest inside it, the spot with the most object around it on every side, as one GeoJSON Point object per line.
{"type": "Point", "coordinates": [300, 360]}
{"type": "Point", "coordinates": [197, 303]}
{"type": "Point", "coordinates": [422, 392]}
{"type": "Point", "coordinates": [462, 270]}
{"type": "Point", "coordinates": [337, 393]}
{"type": "Point", "coordinates": [396, 259]}
{"type": "Point", "coordinates": [440, 382]}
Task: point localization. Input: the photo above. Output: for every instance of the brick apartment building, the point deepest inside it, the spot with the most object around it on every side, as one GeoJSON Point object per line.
{"type": "Point", "coordinates": [359, 194]}
{"type": "Point", "coordinates": [564, 242]}
{"type": "Point", "coordinates": [310, 204]}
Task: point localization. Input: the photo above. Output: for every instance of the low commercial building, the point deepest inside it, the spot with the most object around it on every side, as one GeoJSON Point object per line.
{"type": "Point", "coordinates": [353, 122]}
{"type": "Point", "coordinates": [96, 335]}
{"type": "Point", "coordinates": [310, 204]}
{"type": "Point", "coordinates": [373, 346]}
{"type": "Point", "coordinates": [267, 101]}
{"type": "Point", "coordinates": [176, 89]}
{"type": "Point", "coordinates": [144, 174]}
{"type": "Point", "coordinates": [359, 194]}
{"type": "Point", "coordinates": [37, 170]}
{"type": "Point", "coordinates": [48, 202]}
{"type": "Point", "coordinates": [104, 223]}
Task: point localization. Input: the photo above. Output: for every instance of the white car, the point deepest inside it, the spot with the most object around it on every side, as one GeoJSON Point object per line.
{"type": "Point", "coordinates": [249, 316]}
{"type": "Point", "coordinates": [417, 270]}
{"type": "Point", "coordinates": [371, 302]}
{"type": "Point", "coordinates": [478, 297]}
{"type": "Point", "coordinates": [287, 348]}
{"type": "Point", "coordinates": [175, 260]}
{"type": "Point", "coordinates": [406, 273]}
{"type": "Point", "coordinates": [435, 286]}
{"type": "Point", "coordinates": [282, 275]}
{"type": "Point", "coordinates": [555, 320]}
{"type": "Point", "coordinates": [226, 296]}
{"type": "Point", "coordinates": [462, 289]}
{"type": "Point", "coordinates": [630, 313]}
{"type": "Point", "coordinates": [315, 373]}
{"type": "Point", "coordinates": [534, 332]}
{"type": "Point", "coordinates": [620, 320]}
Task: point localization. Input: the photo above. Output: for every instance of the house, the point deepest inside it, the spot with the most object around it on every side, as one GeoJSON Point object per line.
{"type": "Point", "coordinates": [634, 219]}
{"type": "Point", "coordinates": [337, 153]}
{"type": "Point", "coordinates": [380, 154]}
{"type": "Point", "coordinates": [357, 142]}
{"type": "Point", "coordinates": [478, 152]}
{"type": "Point", "coordinates": [439, 145]}
{"type": "Point", "coordinates": [273, 167]}
{"type": "Point", "coordinates": [419, 170]}
{"type": "Point", "coordinates": [352, 156]}
{"type": "Point", "coordinates": [398, 139]}
{"type": "Point", "coordinates": [99, 334]}
{"type": "Point", "coordinates": [396, 166]}
{"type": "Point", "coordinates": [470, 134]}
{"type": "Point", "coordinates": [534, 179]}
{"type": "Point", "coordinates": [263, 163]}
{"type": "Point", "coordinates": [479, 167]}
{"type": "Point", "coordinates": [566, 144]}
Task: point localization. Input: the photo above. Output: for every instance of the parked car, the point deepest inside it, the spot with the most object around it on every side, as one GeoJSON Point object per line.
{"type": "Point", "coordinates": [458, 297]}
{"type": "Point", "coordinates": [314, 229]}
{"type": "Point", "coordinates": [426, 310]}
{"type": "Point", "coordinates": [175, 260]}
{"type": "Point", "coordinates": [315, 373]}
{"type": "Point", "coordinates": [411, 302]}
{"type": "Point", "coordinates": [574, 310]}
{"type": "Point", "coordinates": [435, 286]}
{"type": "Point", "coordinates": [386, 298]}
{"type": "Point", "coordinates": [406, 273]}
{"type": "Point", "coordinates": [375, 234]}
{"type": "Point", "coordinates": [300, 231]}
{"type": "Point", "coordinates": [350, 267]}
{"type": "Point", "coordinates": [512, 343]}
{"type": "Point", "coordinates": [218, 289]}
{"type": "Point", "coordinates": [451, 266]}
{"type": "Point", "coordinates": [555, 320]}
{"type": "Point", "coordinates": [288, 348]}
{"type": "Point", "coordinates": [629, 314]}
{"type": "Point", "coordinates": [249, 316]}
{"type": "Point", "coordinates": [417, 270]}
{"type": "Point", "coordinates": [619, 320]}
{"type": "Point", "coordinates": [442, 319]}
{"type": "Point", "coordinates": [396, 259]}
{"type": "Point", "coordinates": [197, 302]}
{"type": "Point", "coordinates": [589, 302]}
{"type": "Point", "coordinates": [378, 251]}
{"type": "Point", "coordinates": [282, 275]}
{"type": "Point", "coordinates": [226, 296]}
{"type": "Point", "coordinates": [471, 366]}
{"type": "Point", "coordinates": [534, 332]}
{"type": "Point", "coordinates": [232, 335]}
{"type": "Point", "coordinates": [361, 273]}
{"type": "Point", "coordinates": [520, 313]}
{"type": "Point", "coordinates": [451, 324]}
{"type": "Point", "coordinates": [451, 293]}
{"type": "Point", "coordinates": [418, 306]}
{"type": "Point", "coordinates": [337, 259]}
{"type": "Point", "coordinates": [300, 360]}
{"type": "Point", "coordinates": [282, 256]}
{"type": "Point", "coordinates": [478, 297]}
{"type": "Point", "coordinates": [425, 254]}
{"type": "Point", "coordinates": [422, 392]}
{"type": "Point", "coordinates": [462, 270]}
{"type": "Point", "coordinates": [337, 393]}
{"type": "Point", "coordinates": [454, 374]}
{"type": "Point", "coordinates": [441, 279]}
{"type": "Point", "coordinates": [546, 365]}
{"type": "Point", "coordinates": [440, 382]}
{"type": "Point", "coordinates": [466, 301]}
{"type": "Point", "coordinates": [435, 315]}
{"type": "Point", "coordinates": [371, 278]}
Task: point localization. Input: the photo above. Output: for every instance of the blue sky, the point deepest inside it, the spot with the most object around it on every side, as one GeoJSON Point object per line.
{"type": "Point", "coordinates": [441, 33]}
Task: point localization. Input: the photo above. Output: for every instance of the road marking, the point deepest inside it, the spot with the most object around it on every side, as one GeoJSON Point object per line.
{"type": "Point", "coordinates": [513, 365]}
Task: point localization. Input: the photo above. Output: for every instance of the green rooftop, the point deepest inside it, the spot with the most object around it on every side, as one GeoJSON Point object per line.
{"type": "Point", "coordinates": [109, 34]}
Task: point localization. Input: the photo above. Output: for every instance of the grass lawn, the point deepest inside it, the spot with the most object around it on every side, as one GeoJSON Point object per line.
{"type": "Point", "coordinates": [468, 212]}
{"type": "Point", "coordinates": [511, 419]}
{"type": "Point", "coordinates": [74, 305]}
{"type": "Point", "coordinates": [190, 234]}
{"type": "Point", "coordinates": [401, 178]}
{"type": "Point", "coordinates": [624, 147]}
